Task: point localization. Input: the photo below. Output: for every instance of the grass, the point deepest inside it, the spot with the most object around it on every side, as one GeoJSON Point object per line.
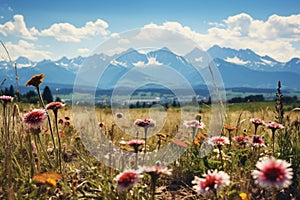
{"type": "Point", "coordinates": [84, 177]}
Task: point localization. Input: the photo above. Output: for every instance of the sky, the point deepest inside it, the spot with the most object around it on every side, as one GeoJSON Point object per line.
{"type": "Point", "coordinates": [52, 29]}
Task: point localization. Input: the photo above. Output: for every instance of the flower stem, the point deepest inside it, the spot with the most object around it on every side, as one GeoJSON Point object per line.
{"type": "Point", "coordinates": [44, 150]}
{"type": "Point", "coordinates": [273, 141]}
{"type": "Point", "coordinates": [59, 143]}
{"type": "Point", "coordinates": [48, 117]}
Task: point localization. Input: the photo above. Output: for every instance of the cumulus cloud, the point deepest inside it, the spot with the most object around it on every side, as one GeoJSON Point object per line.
{"type": "Point", "coordinates": [18, 28]}
{"type": "Point", "coordinates": [60, 31]}
{"type": "Point", "coordinates": [273, 37]}
{"type": "Point", "coordinates": [67, 32]}
{"type": "Point", "coordinates": [26, 49]}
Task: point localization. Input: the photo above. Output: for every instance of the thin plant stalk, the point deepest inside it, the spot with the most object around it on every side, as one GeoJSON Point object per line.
{"type": "Point", "coordinates": [221, 156]}
{"type": "Point", "coordinates": [38, 164]}
{"type": "Point", "coordinates": [146, 132]}
{"type": "Point", "coordinates": [59, 143]}
{"type": "Point", "coordinates": [273, 141]}
{"type": "Point", "coordinates": [44, 150]}
{"type": "Point", "coordinates": [154, 178]}
{"type": "Point", "coordinates": [48, 117]}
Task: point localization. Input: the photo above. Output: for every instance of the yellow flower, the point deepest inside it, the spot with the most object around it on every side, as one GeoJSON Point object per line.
{"type": "Point", "coordinates": [243, 196]}
{"type": "Point", "coordinates": [35, 80]}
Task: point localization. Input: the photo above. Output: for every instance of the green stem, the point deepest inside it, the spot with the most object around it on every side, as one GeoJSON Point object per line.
{"type": "Point", "coordinates": [221, 156]}
{"type": "Point", "coordinates": [30, 155]}
{"type": "Point", "coordinates": [44, 150]}
{"type": "Point", "coordinates": [48, 117]}
{"type": "Point", "coordinates": [59, 143]}
{"type": "Point", "coordinates": [37, 154]}
{"type": "Point", "coordinates": [273, 141]}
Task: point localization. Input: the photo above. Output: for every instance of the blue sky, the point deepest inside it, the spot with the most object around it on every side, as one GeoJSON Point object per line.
{"type": "Point", "coordinates": [52, 29]}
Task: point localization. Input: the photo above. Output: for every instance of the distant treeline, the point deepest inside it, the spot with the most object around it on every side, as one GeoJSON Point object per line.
{"type": "Point", "coordinates": [260, 98]}
{"type": "Point", "coordinates": [30, 96]}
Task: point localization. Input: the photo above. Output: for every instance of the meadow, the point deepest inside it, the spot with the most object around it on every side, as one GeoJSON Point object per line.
{"type": "Point", "coordinates": [256, 155]}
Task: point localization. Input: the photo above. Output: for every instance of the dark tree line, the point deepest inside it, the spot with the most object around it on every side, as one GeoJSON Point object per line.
{"type": "Point", "coordinates": [30, 96]}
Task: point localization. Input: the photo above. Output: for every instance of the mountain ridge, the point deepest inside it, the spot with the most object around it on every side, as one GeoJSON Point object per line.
{"type": "Point", "coordinates": [238, 68]}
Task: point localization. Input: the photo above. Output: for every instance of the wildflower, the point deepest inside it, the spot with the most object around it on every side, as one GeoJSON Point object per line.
{"type": "Point", "coordinates": [145, 123]}
{"type": "Point", "coordinates": [119, 115]}
{"type": "Point", "coordinates": [242, 140]}
{"type": "Point", "coordinates": [194, 124]}
{"type": "Point", "coordinates": [54, 106]}
{"type": "Point", "coordinates": [211, 182]}
{"type": "Point", "coordinates": [158, 170]}
{"type": "Point", "coordinates": [273, 173]}
{"type": "Point", "coordinates": [127, 179]}
{"type": "Point", "coordinates": [35, 118]}
{"type": "Point", "coordinates": [35, 80]}
{"type": "Point", "coordinates": [258, 141]}
{"type": "Point", "coordinates": [257, 121]}
{"type": "Point", "coordinates": [243, 196]}
{"type": "Point", "coordinates": [62, 135]}
{"type": "Point", "coordinates": [274, 126]}
{"type": "Point", "coordinates": [218, 140]}
{"type": "Point", "coordinates": [136, 142]}
{"type": "Point", "coordinates": [47, 178]}
{"type": "Point", "coordinates": [6, 99]}
{"type": "Point", "coordinates": [230, 128]}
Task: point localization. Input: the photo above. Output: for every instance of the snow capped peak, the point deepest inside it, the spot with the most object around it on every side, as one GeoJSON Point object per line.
{"type": "Point", "coordinates": [151, 61]}
{"type": "Point", "coordinates": [236, 60]}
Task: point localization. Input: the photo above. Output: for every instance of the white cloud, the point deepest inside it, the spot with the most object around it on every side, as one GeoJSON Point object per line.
{"type": "Point", "coordinates": [18, 28]}
{"type": "Point", "coordinates": [69, 33]}
{"type": "Point", "coordinates": [273, 37]}
{"type": "Point", "coordinates": [236, 60]}
{"type": "Point", "coordinates": [83, 50]}
{"type": "Point", "coordinates": [29, 50]}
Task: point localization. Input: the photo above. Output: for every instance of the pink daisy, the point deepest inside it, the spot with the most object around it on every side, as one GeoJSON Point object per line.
{"type": "Point", "coordinates": [5, 98]}
{"type": "Point", "coordinates": [218, 140]}
{"type": "Point", "coordinates": [241, 139]}
{"type": "Point", "coordinates": [145, 122]}
{"type": "Point", "coordinates": [127, 179]}
{"type": "Point", "coordinates": [257, 141]}
{"type": "Point", "coordinates": [136, 142]}
{"type": "Point", "coordinates": [54, 105]}
{"type": "Point", "coordinates": [194, 124]}
{"type": "Point", "coordinates": [257, 121]}
{"type": "Point", "coordinates": [274, 126]}
{"type": "Point", "coordinates": [157, 169]}
{"type": "Point", "coordinates": [35, 118]}
{"type": "Point", "coordinates": [211, 182]}
{"type": "Point", "coordinates": [273, 173]}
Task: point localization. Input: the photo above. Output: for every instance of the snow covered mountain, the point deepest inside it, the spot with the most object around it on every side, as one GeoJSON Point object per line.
{"type": "Point", "coordinates": [238, 68]}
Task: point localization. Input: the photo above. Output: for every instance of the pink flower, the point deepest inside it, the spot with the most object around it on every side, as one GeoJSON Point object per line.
{"type": "Point", "coordinates": [257, 141]}
{"type": "Point", "coordinates": [194, 124]}
{"type": "Point", "coordinates": [157, 169]}
{"type": "Point", "coordinates": [35, 118]}
{"type": "Point", "coordinates": [145, 122]}
{"type": "Point", "coordinates": [211, 182]}
{"type": "Point", "coordinates": [136, 142]}
{"type": "Point", "coordinates": [241, 139]}
{"type": "Point", "coordinates": [127, 179]}
{"type": "Point", "coordinates": [273, 173]}
{"type": "Point", "coordinates": [218, 140]}
{"type": "Point", "coordinates": [54, 105]}
{"type": "Point", "coordinates": [274, 126]}
{"type": "Point", "coordinates": [6, 99]}
{"type": "Point", "coordinates": [257, 121]}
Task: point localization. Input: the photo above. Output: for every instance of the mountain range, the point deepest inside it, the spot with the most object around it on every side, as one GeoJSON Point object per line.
{"type": "Point", "coordinates": [238, 68]}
